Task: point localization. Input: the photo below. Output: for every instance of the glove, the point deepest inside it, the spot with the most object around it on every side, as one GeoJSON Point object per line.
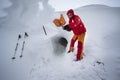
{"type": "Point", "coordinates": [67, 28]}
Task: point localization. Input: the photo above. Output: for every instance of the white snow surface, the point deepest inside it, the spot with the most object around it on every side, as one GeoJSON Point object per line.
{"type": "Point", "coordinates": [44, 58]}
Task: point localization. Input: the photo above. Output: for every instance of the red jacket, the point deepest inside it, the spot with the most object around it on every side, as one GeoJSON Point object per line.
{"type": "Point", "coordinates": [76, 24]}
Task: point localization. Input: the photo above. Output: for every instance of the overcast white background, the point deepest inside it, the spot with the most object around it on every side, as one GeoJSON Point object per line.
{"type": "Point", "coordinates": [66, 4]}
{"type": "Point", "coordinates": [62, 5]}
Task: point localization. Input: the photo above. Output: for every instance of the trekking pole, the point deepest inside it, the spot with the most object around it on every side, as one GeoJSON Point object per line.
{"type": "Point", "coordinates": [22, 49]}
{"type": "Point", "coordinates": [19, 37]}
{"type": "Point", "coordinates": [44, 30]}
{"type": "Point", "coordinates": [23, 45]}
{"type": "Point", "coordinates": [26, 35]}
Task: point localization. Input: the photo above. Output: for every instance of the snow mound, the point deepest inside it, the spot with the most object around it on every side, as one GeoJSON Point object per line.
{"type": "Point", "coordinates": [45, 57]}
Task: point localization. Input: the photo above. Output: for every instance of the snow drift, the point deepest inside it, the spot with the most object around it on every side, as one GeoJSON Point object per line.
{"type": "Point", "coordinates": [45, 58]}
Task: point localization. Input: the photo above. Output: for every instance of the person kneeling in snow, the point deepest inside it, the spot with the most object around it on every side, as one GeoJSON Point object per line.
{"type": "Point", "coordinates": [76, 25]}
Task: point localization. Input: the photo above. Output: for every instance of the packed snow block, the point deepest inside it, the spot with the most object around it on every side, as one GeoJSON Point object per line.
{"type": "Point", "coordinates": [59, 45]}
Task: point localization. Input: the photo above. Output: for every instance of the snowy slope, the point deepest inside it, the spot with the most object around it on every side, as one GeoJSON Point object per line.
{"type": "Point", "coordinates": [41, 61]}
{"type": "Point", "coordinates": [103, 31]}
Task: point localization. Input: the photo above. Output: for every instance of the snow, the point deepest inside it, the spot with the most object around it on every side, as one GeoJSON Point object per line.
{"type": "Point", "coordinates": [44, 58]}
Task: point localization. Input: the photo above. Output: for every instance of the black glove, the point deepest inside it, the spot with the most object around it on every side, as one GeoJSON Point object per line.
{"type": "Point", "coordinates": [67, 28]}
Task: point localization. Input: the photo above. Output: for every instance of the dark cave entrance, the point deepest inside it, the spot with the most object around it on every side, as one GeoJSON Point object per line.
{"type": "Point", "coordinates": [59, 45]}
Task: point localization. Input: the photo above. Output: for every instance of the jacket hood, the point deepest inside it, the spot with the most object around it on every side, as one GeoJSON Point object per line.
{"type": "Point", "coordinates": [70, 12]}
